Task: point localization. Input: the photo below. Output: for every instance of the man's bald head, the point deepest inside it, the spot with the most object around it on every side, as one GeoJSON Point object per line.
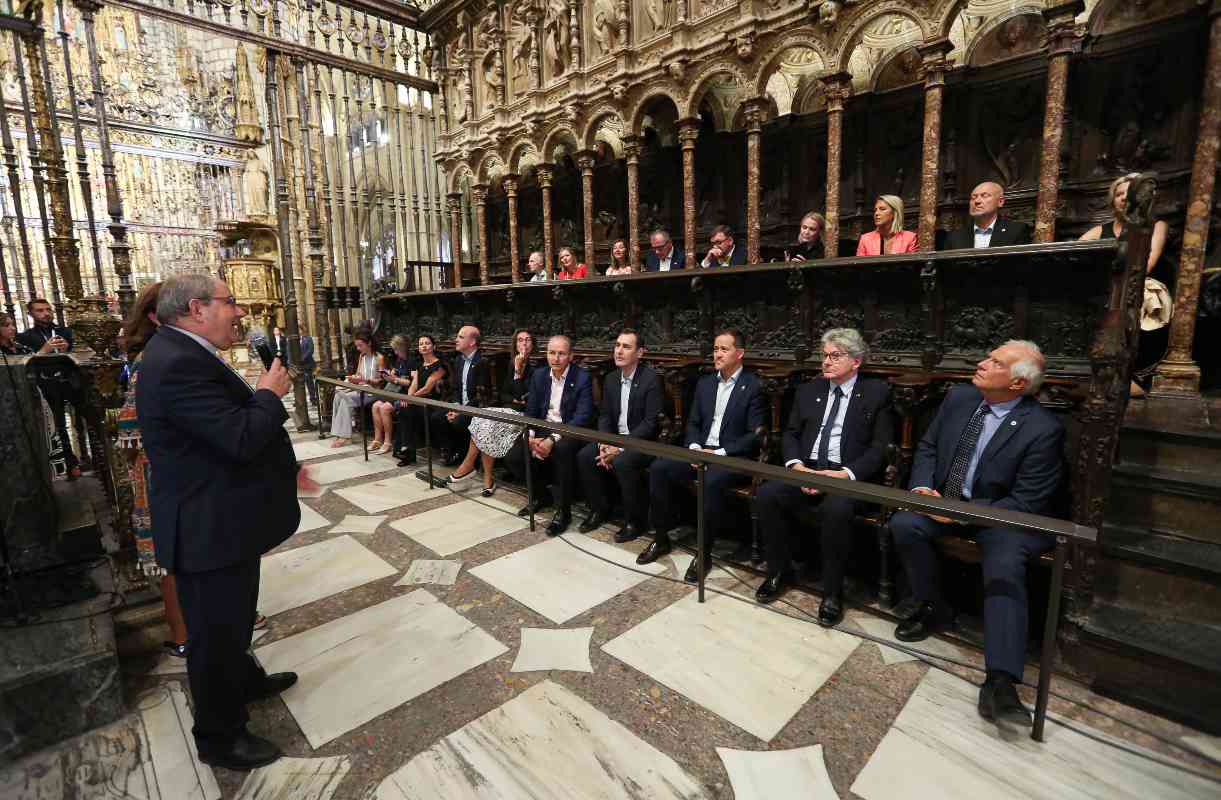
{"type": "Point", "coordinates": [987, 199]}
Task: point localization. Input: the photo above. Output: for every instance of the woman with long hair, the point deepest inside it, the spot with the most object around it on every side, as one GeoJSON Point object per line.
{"type": "Point", "coordinates": [888, 236]}
{"type": "Point", "coordinates": [809, 239]}
{"type": "Point", "coordinates": [569, 268]}
{"type": "Point", "coordinates": [397, 378]}
{"type": "Point", "coordinates": [619, 264]}
{"type": "Point", "coordinates": [427, 374]}
{"type": "Point", "coordinates": [8, 338]}
{"type": "Point", "coordinates": [369, 368]}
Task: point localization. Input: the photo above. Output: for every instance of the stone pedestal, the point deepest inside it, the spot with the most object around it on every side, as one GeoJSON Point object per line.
{"type": "Point", "coordinates": [935, 66]}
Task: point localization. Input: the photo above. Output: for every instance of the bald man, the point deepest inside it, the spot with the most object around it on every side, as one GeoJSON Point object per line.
{"type": "Point", "coordinates": [987, 228]}
{"type": "Point", "coordinates": [470, 381]}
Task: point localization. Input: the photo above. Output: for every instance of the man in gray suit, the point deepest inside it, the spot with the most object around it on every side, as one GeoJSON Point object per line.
{"type": "Point", "coordinates": [308, 366]}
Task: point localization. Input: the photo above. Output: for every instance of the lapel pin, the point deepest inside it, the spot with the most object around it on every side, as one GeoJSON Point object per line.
{"type": "Point", "coordinates": [1013, 423]}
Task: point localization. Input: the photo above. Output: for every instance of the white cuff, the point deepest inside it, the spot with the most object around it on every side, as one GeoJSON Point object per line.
{"type": "Point", "coordinates": [851, 476]}
{"type": "Point", "coordinates": [720, 451]}
{"type": "Point", "coordinates": [694, 446]}
{"type": "Point", "coordinates": [925, 488]}
{"type": "Point", "coordinates": [788, 464]}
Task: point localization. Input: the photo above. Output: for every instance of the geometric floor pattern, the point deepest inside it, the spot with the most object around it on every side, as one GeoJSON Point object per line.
{"type": "Point", "coordinates": [295, 577]}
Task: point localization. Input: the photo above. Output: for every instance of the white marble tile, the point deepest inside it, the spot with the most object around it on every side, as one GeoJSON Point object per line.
{"type": "Point", "coordinates": [310, 494]}
{"type": "Point", "coordinates": [259, 634]}
{"type": "Point", "coordinates": [169, 665]}
{"type": "Point", "coordinates": [556, 580]}
{"type": "Point", "coordinates": [345, 469]}
{"type": "Point", "coordinates": [296, 779]}
{"type": "Point", "coordinates": [292, 578]}
{"type": "Point", "coordinates": [799, 774]}
{"type": "Point", "coordinates": [311, 520]}
{"type": "Point", "coordinates": [387, 493]}
{"type": "Point", "coordinates": [940, 747]}
{"type": "Point", "coordinates": [544, 744]}
{"type": "Point", "coordinates": [1208, 745]}
{"type": "Point", "coordinates": [442, 573]}
{"type": "Point", "coordinates": [884, 629]}
{"type": "Point", "coordinates": [504, 500]}
{"type": "Point", "coordinates": [456, 527]}
{"type": "Point", "coordinates": [357, 523]}
{"type": "Point", "coordinates": [360, 666]}
{"type": "Point", "coordinates": [752, 667]}
{"type": "Point", "coordinates": [313, 447]}
{"type": "Point", "coordinates": [543, 648]}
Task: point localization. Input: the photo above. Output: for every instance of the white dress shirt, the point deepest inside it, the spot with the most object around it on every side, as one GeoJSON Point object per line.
{"type": "Point", "coordinates": [625, 397]}
{"type": "Point", "coordinates": [663, 264]}
{"type": "Point", "coordinates": [832, 427]}
{"type": "Point", "coordinates": [983, 236]}
{"type": "Point", "coordinates": [724, 392]}
{"type": "Point", "coordinates": [557, 397]}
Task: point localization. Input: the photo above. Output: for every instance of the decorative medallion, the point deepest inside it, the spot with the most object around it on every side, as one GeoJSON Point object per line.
{"type": "Point", "coordinates": [226, 3]}
{"type": "Point", "coordinates": [354, 33]}
{"type": "Point", "coordinates": [378, 39]}
{"type": "Point", "coordinates": [405, 47]}
{"type": "Point", "coordinates": [260, 7]}
{"type": "Point", "coordinates": [326, 25]}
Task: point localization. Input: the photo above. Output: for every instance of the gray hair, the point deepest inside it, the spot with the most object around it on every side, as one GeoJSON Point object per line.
{"type": "Point", "coordinates": [535, 253]}
{"type": "Point", "coordinates": [1030, 366]}
{"type": "Point", "coordinates": [563, 336]}
{"type": "Point", "coordinates": [174, 300]}
{"type": "Point", "coordinates": [849, 340]}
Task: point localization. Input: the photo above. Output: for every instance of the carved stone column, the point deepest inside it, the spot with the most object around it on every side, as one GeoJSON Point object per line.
{"type": "Point", "coordinates": [1178, 374]}
{"type": "Point", "coordinates": [935, 66]}
{"type": "Point", "coordinates": [756, 113]}
{"type": "Point", "coordinates": [543, 172]}
{"type": "Point", "coordinates": [1063, 41]}
{"type": "Point", "coordinates": [688, 132]}
{"type": "Point", "coordinates": [836, 87]}
{"type": "Point", "coordinates": [631, 153]}
{"type": "Point", "coordinates": [510, 184]}
{"type": "Point", "coordinates": [585, 160]}
{"type": "Point", "coordinates": [454, 202]}
{"type": "Point", "coordinates": [480, 195]}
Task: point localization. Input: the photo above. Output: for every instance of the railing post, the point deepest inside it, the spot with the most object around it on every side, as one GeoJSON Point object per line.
{"type": "Point", "coordinates": [700, 523]}
{"type": "Point", "coordinates": [428, 447]}
{"type": "Point", "coordinates": [1050, 630]}
{"type": "Point", "coordinates": [525, 438]}
{"type": "Point", "coordinates": [364, 429]}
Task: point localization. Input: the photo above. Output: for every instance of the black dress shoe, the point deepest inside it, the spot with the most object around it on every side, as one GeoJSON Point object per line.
{"type": "Point", "coordinates": [771, 588]}
{"type": "Point", "coordinates": [273, 685]}
{"type": "Point", "coordinates": [407, 458]}
{"type": "Point", "coordinates": [246, 752]}
{"type": "Point", "coordinates": [831, 611]}
{"type": "Point", "coordinates": [742, 554]}
{"type": "Point", "coordinates": [693, 573]}
{"type": "Point", "coordinates": [924, 623]}
{"type": "Point", "coordinates": [559, 523]}
{"type": "Point", "coordinates": [999, 701]}
{"type": "Point", "coordinates": [534, 506]}
{"type": "Point", "coordinates": [656, 549]}
{"type": "Point", "coordinates": [626, 534]}
{"type": "Point", "coordinates": [592, 522]}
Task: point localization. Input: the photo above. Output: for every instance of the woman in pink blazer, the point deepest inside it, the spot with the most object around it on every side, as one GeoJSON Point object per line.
{"type": "Point", "coordinates": [889, 237]}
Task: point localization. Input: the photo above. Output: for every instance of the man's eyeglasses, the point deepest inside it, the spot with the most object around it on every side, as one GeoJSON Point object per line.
{"type": "Point", "coordinates": [834, 357]}
{"type": "Point", "coordinates": [719, 242]}
{"type": "Point", "coordinates": [227, 299]}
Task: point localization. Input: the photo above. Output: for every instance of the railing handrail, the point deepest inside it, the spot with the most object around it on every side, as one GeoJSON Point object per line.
{"type": "Point", "coordinates": [963, 511]}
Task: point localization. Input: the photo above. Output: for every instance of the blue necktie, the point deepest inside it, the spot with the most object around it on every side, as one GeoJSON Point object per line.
{"type": "Point", "coordinates": [824, 445]}
{"type": "Point", "coordinates": [962, 455]}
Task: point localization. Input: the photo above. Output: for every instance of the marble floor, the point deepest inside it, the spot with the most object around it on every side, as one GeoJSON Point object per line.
{"type": "Point", "coordinates": [447, 651]}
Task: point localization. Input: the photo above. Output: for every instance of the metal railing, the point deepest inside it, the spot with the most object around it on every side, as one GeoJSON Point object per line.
{"type": "Point", "coordinates": [961, 511]}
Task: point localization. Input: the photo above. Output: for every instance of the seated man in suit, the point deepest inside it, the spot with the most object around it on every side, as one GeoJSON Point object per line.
{"type": "Point", "coordinates": [729, 407]}
{"type": "Point", "coordinates": [840, 427]}
{"type": "Point", "coordinates": [664, 255]}
{"type": "Point", "coordinates": [538, 270]}
{"type": "Point", "coordinates": [987, 227]}
{"type": "Point", "coordinates": [470, 381]}
{"type": "Point", "coordinates": [564, 394]}
{"type": "Point", "coordinates": [723, 252]}
{"type": "Point", "coordinates": [631, 403]}
{"type": "Point", "coordinates": [991, 443]}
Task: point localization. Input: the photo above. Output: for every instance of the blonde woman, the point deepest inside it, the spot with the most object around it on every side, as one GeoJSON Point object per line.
{"type": "Point", "coordinates": [888, 236]}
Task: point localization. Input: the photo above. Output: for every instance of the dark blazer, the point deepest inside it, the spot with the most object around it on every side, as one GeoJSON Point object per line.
{"type": "Point", "coordinates": [869, 426]}
{"type": "Point", "coordinates": [214, 445]}
{"type": "Point", "coordinates": [736, 258]}
{"type": "Point", "coordinates": [1021, 467]}
{"type": "Point", "coordinates": [1004, 232]}
{"type": "Point", "coordinates": [577, 405]}
{"type": "Point", "coordinates": [307, 352]}
{"type": "Point", "coordinates": [514, 391]}
{"type": "Point", "coordinates": [678, 260]}
{"type": "Point", "coordinates": [643, 407]}
{"type": "Point", "coordinates": [747, 410]}
{"type": "Point", "coordinates": [478, 380]}
{"type": "Point", "coordinates": [35, 337]}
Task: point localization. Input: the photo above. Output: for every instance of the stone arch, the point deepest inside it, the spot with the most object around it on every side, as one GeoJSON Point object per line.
{"type": "Point", "coordinates": [802, 37]}
{"type": "Point", "coordinates": [597, 127]}
{"type": "Point", "coordinates": [562, 135]}
{"type": "Point", "coordinates": [868, 26]}
{"type": "Point", "coordinates": [989, 34]}
{"type": "Point", "coordinates": [704, 79]}
{"type": "Point", "coordinates": [1109, 16]}
{"type": "Point", "coordinates": [491, 168]}
{"type": "Point", "coordinates": [636, 116]}
{"type": "Point", "coordinates": [461, 171]}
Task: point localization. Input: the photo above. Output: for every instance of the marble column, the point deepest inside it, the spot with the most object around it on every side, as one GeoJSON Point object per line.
{"type": "Point", "coordinates": [1063, 40]}
{"type": "Point", "coordinates": [479, 193]}
{"type": "Point", "coordinates": [510, 184]}
{"type": "Point", "coordinates": [935, 66]}
{"type": "Point", "coordinates": [1178, 374]}
{"type": "Point", "coordinates": [688, 132]}
{"type": "Point", "coordinates": [454, 202]}
{"type": "Point", "coordinates": [544, 181]}
{"type": "Point", "coordinates": [631, 154]}
{"type": "Point", "coordinates": [756, 113]}
{"type": "Point", "coordinates": [836, 87]}
{"type": "Point", "coordinates": [585, 160]}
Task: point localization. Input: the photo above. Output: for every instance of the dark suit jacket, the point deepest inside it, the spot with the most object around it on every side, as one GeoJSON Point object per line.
{"type": "Point", "coordinates": [1004, 232]}
{"type": "Point", "coordinates": [307, 352]}
{"type": "Point", "coordinates": [736, 258]}
{"type": "Point", "coordinates": [214, 445]}
{"type": "Point", "coordinates": [478, 379]}
{"type": "Point", "coordinates": [643, 406]}
{"type": "Point", "coordinates": [577, 404]}
{"type": "Point", "coordinates": [1020, 469]}
{"type": "Point", "coordinates": [869, 426]}
{"type": "Point", "coordinates": [678, 260]}
{"type": "Point", "coordinates": [514, 391]}
{"type": "Point", "coordinates": [747, 410]}
{"type": "Point", "coordinates": [35, 337]}
{"type": "Point", "coordinates": [280, 343]}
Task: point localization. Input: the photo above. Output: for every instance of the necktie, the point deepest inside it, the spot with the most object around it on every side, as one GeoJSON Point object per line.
{"type": "Point", "coordinates": [962, 455]}
{"type": "Point", "coordinates": [824, 445]}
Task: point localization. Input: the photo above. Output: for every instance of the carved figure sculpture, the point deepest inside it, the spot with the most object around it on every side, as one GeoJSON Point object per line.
{"type": "Point", "coordinates": [521, 43]}
{"type": "Point", "coordinates": [555, 37]}
{"type": "Point", "coordinates": [246, 126]}
{"type": "Point", "coordinates": [492, 82]}
{"type": "Point", "coordinates": [828, 13]}
{"type": "Point", "coordinates": [605, 28]}
{"type": "Point", "coordinates": [255, 186]}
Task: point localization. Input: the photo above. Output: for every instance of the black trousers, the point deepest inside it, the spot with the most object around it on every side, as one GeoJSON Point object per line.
{"type": "Point", "coordinates": [558, 471]}
{"type": "Point", "coordinates": [779, 506]}
{"type": "Point", "coordinates": [409, 425]}
{"type": "Point", "coordinates": [219, 609]}
{"type": "Point", "coordinates": [666, 479]}
{"type": "Point", "coordinates": [629, 472]}
{"type": "Point", "coordinates": [455, 436]}
{"type": "Point", "coordinates": [58, 394]}
{"type": "Point", "coordinates": [311, 385]}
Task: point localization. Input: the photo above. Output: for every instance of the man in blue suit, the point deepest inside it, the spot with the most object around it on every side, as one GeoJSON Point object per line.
{"type": "Point", "coordinates": [729, 408]}
{"type": "Point", "coordinates": [663, 255]}
{"type": "Point", "coordinates": [724, 252]}
{"type": "Point", "coordinates": [991, 443]}
{"type": "Point", "coordinates": [563, 394]}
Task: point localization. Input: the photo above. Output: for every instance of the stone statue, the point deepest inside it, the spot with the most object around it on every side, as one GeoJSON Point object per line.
{"type": "Point", "coordinates": [605, 29]}
{"type": "Point", "coordinates": [255, 186]}
{"type": "Point", "coordinates": [555, 37]}
{"type": "Point", "coordinates": [828, 13]}
{"type": "Point", "coordinates": [246, 126]}
{"type": "Point", "coordinates": [492, 83]}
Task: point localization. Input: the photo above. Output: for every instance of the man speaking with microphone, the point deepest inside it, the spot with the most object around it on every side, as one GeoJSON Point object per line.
{"type": "Point", "coordinates": [215, 446]}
